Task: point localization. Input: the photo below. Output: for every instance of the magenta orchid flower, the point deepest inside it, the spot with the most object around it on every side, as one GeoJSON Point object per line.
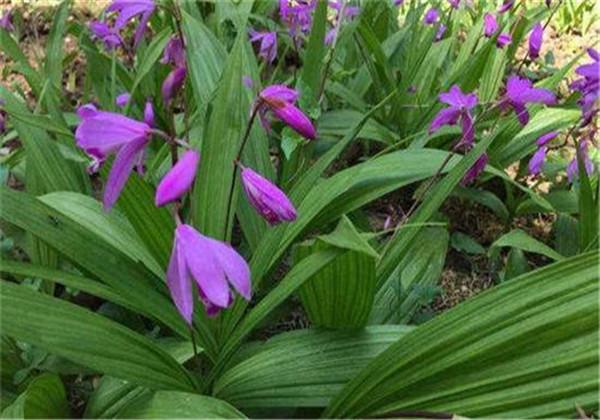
{"type": "Point", "coordinates": [149, 113]}
{"type": "Point", "coordinates": [520, 92]}
{"type": "Point", "coordinates": [431, 17]}
{"type": "Point", "coordinates": [454, 3]}
{"type": "Point", "coordinates": [588, 86]}
{"type": "Point", "coordinates": [270, 202]}
{"type": "Point", "coordinates": [173, 83]}
{"type": "Point", "coordinates": [506, 6]}
{"type": "Point", "coordinates": [102, 133]}
{"type": "Point", "coordinates": [539, 157]}
{"type": "Point", "coordinates": [535, 40]}
{"type": "Point", "coordinates": [101, 31]}
{"type": "Point", "coordinates": [123, 99]}
{"type": "Point", "coordinates": [127, 10]}
{"type": "Point", "coordinates": [440, 32]}
{"type": "Point", "coordinates": [213, 265]}
{"type": "Point", "coordinates": [267, 44]}
{"type": "Point", "coordinates": [297, 15]}
{"type": "Point", "coordinates": [280, 100]}
{"type": "Point", "coordinates": [573, 167]}
{"type": "Point", "coordinates": [178, 180]}
{"type": "Point", "coordinates": [503, 40]}
{"type": "Point", "coordinates": [490, 25]}
{"type": "Point", "coordinates": [349, 13]}
{"type": "Point", "coordinates": [6, 21]}
{"type": "Point", "coordinates": [475, 170]}
{"type": "Point", "coordinates": [460, 106]}
{"type": "Point", "coordinates": [174, 53]}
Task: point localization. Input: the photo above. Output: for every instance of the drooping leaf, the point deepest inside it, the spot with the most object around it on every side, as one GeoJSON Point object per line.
{"type": "Point", "coordinates": [45, 397]}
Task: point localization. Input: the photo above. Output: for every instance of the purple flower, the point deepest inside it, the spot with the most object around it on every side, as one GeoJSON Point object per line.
{"type": "Point", "coordinates": [535, 40]}
{"type": "Point", "coordinates": [106, 34]}
{"type": "Point", "coordinates": [173, 83]}
{"type": "Point", "coordinates": [573, 167]}
{"type": "Point", "coordinates": [475, 170]}
{"type": "Point", "coordinates": [178, 180]}
{"type": "Point", "coordinates": [128, 9]}
{"type": "Point", "coordinates": [214, 265]}
{"type": "Point", "coordinates": [174, 53]}
{"type": "Point", "coordinates": [503, 40]}
{"type": "Point", "coordinates": [272, 203]}
{"type": "Point", "coordinates": [398, 2]}
{"type": "Point", "coordinates": [6, 21]}
{"type": "Point", "coordinates": [440, 32]}
{"type": "Point", "coordinates": [349, 13]}
{"type": "Point", "coordinates": [454, 3]}
{"type": "Point", "coordinates": [431, 16]}
{"type": "Point", "coordinates": [268, 44]}
{"type": "Point", "coordinates": [123, 99]}
{"type": "Point", "coordinates": [589, 86]}
{"type": "Point", "coordinates": [506, 6]}
{"type": "Point", "coordinates": [490, 25]}
{"type": "Point", "coordinates": [2, 122]}
{"type": "Point", "coordinates": [520, 92]}
{"type": "Point", "coordinates": [459, 109]}
{"type": "Point", "coordinates": [149, 113]}
{"type": "Point", "coordinates": [539, 157]}
{"type": "Point", "coordinates": [101, 133]}
{"type": "Point", "coordinates": [280, 100]}
{"type": "Point", "coordinates": [297, 15]}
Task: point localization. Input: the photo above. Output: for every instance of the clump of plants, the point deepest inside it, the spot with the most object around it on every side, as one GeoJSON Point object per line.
{"type": "Point", "coordinates": [222, 171]}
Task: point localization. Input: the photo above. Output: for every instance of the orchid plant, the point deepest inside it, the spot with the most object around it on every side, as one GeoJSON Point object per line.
{"type": "Point", "coordinates": [164, 221]}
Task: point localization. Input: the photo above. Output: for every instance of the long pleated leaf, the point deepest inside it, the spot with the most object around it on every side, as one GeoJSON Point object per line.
{"type": "Point", "coordinates": [304, 368]}
{"type": "Point", "coordinates": [86, 338]}
{"type": "Point", "coordinates": [527, 348]}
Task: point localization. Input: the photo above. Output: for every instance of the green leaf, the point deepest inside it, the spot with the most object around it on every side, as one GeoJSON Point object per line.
{"type": "Point", "coordinates": [519, 239]}
{"type": "Point", "coordinates": [304, 368]}
{"type": "Point", "coordinates": [400, 297]}
{"type": "Point", "coordinates": [493, 355]}
{"type": "Point", "coordinates": [516, 264]}
{"type": "Point", "coordinates": [566, 236]}
{"type": "Point", "coordinates": [181, 405]}
{"type": "Point", "coordinates": [54, 52]}
{"type": "Point", "coordinates": [341, 294]}
{"type": "Point", "coordinates": [86, 338]}
{"type": "Point", "coordinates": [310, 75]}
{"type": "Point", "coordinates": [45, 397]}
{"type": "Point", "coordinates": [485, 198]}
{"type": "Point", "coordinates": [220, 146]}
{"type": "Point", "coordinates": [588, 207]}
{"type": "Point", "coordinates": [87, 250]}
{"type": "Point", "coordinates": [464, 243]}
{"type": "Point", "coordinates": [111, 396]}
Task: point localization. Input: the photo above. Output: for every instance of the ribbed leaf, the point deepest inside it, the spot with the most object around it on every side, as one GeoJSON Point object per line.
{"type": "Point", "coordinates": [79, 335]}
{"type": "Point", "coordinates": [521, 240]}
{"type": "Point", "coordinates": [304, 368]}
{"type": "Point", "coordinates": [181, 405]}
{"type": "Point", "coordinates": [341, 294]}
{"type": "Point", "coordinates": [92, 253]}
{"type": "Point", "coordinates": [527, 348]}
{"type": "Point", "coordinates": [45, 397]}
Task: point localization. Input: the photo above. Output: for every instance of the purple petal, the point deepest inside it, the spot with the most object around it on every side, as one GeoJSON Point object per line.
{"type": "Point", "coordinates": [149, 113]}
{"type": "Point", "coordinates": [538, 95]}
{"type": "Point", "coordinates": [447, 116]}
{"type": "Point", "coordinates": [468, 131]}
{"type": "Point", "coordinates": [522, 113]}
{"type": "Point", "coordinates": [535, 40]}
{"type": "Point", "coordinates": [546, 138]}
{"type": "Point", "coordinates": [272, 203]}
{"type": "Point", "coordinates": [180, 284]}
{"type": "Point", "coordinates": [503, 40]}
{"type": "Point", "coordinates": [506, 6]}
{"type": "Point", "coordinates": [296, 119]}
{"type": "Point", "coordinates": [279, 93]}
{"type": "Point", "coordinates": [203, 266]}
{"type": "Point", "coordinates": [235, 266]}
{"type": "Point", "coordinates": [121, 169]}
{"type": "Point", "coordinates": [490, 25]}
{"type": "Point", "coordinates": [475, 170]}
{"type": "Point", "coordinates": [122, 99]}
{"type": "Point", "coordinates": [537, 161]}
{"type": "Point", "coordinates": [178, 180]}
{"type": "Point", "coordinates": [593, 53]}
{"type": "Point", "coordinates": [173, 83]}
{"type": "Point", "coordinates": [431, 16]}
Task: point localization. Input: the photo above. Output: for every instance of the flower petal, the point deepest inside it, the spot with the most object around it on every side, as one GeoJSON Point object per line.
{"type": "Point", "coordinates": [235, 266]}
{"type": "Point", "coordinates": [180, 284]}
{"type": "Point", "coordinates": [296, 119]}
{"type": "Point", "coordinates": [447, 116]}
{"type": "Point", "coordinates": [179, 179]}
{"type": "Point", "coordinates": [121, 169]}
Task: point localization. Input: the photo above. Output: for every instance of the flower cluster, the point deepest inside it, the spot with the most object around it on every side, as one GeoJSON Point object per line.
{"type": "Point", "coordinates": [124, 10]}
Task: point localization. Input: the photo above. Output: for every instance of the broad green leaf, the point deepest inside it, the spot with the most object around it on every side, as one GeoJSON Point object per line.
{"type": "Point", "coordinates": [493, 355]}
{"type": "Point", "coordinates": [112, 227]}
{"type": "Point", "coordinates": [181, 405]}
{"type": "Point", "coordinates": [519, 239]}
{"type": "Point", "coordinates": [10, 47]}
{"type": "Point", "coordinates": [53, 64]}
{"type": "Point", "coordinates": [566, 236]}
{"type": "Point", "coordinates": [90, 252]}
{"type": "Point", "coordinates": [111, 396]}
{"type": "Point", "coordinates": [400, 297]}
{"type": "Point", "coordinates": [45, 397]}
{"type": "Point", "coordinates": [312, 67]}
{"type": "Point", "coordinates": [465, 243]}
{"type": "Point", "coordinates": [560, 201]}
{"type": "Point", "coordinates": [341, 294]}
{"type": "Point", "coordinates": [588, 207]}
{"type": "Point", "coordinates": [214, 192]}
{"type": "Point", "coordinates": [516, 264]}
{"type": "Point", "coordinates": [89, 339]}
{"type": "Point", "coordinates": [304, 368]}
{"type": "Point", "coordinates": [485, 198]}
